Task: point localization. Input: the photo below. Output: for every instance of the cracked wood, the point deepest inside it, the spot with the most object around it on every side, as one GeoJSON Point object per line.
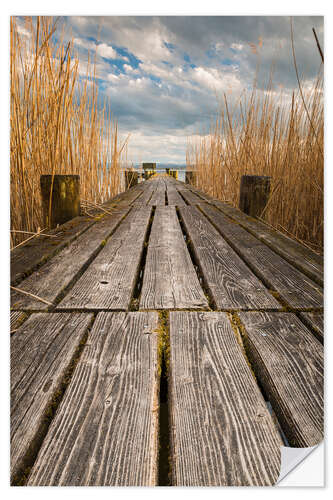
{"type": "Point", "coordinates": [105, 430]}
{"type": "Point", "coordinates": [288, 361]}
{"type": "Point", "coordinates": [41, 351]}
{"type": "Point", "coordinates": [170, 280]}
{"type": "Point", "coordinates": [109, 281]}
{"type": "Point", "coordinates": [222, 433]}
{"type": "Point", "coordinates": [231, 283]}
{"type": "Point", "coordinates": [295, 288]}
{"type": "Point", "coordinates": [50, 281]}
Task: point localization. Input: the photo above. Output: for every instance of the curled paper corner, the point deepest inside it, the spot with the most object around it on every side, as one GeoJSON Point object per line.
{"type": "Point", "coordinates": [292, 457]}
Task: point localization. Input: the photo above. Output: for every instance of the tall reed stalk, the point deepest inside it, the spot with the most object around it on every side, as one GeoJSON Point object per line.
{"type": "Point", "coordinates": [266, 133]}
{"type": "Point", "coordinates": [57, 123]}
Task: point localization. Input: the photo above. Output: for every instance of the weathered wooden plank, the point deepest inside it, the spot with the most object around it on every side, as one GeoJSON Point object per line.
{"type": "Point", "coordinates": [16, 320]}
{"type": "Point", "coordinates": [170, 280]}
{"type": "Point", "coordinates": [231, 283]}
{"type": "Point", "coordinates": [190, 197]}
{"type": "Point", "coordinates": [288, 360]}
{"type": "Point", "coordinates": [125, 198]}
{"type": "Point", "coordinates": [222, 433]}
{"type": "Point", "coordinates": [174, 197]}
{"type": "Point", "coordinates": [158, 197]}
{"type": "Point", "coordinates": [296, 254]}
{"type": "Point", "coordinates": [146, 195]}
{"type": "Point", "coordinates": [296, 289]}
{"type": "Point", "coordinates": [26, 258]}
{"type": "Point", "coordinates": [50, 281]}
{"type": "Point", "coordinates": [41, 351]}
{"type": "Point", "coordinates": [105, 430]}
{"type": "Point", "coordinates": [315, 321]}
{"type": "Point", "coordinates": [109, 280]}
{"type": "Point", "coordinates": [307, 261]}
{"type": "Point", "coordinates": [204, 196]}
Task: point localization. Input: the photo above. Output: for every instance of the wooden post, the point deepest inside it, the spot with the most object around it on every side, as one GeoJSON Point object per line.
{"type": "Point", "coordinates": [65, 200]}
{"type": "Point", "coordinates": [131, 178]}
{"type": "Point", "coordinates": [254, 194]}
{"type": "Point", "coordinates": [190, 177]}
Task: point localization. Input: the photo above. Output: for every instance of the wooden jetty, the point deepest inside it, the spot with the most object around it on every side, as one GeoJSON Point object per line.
{"type": "Point", "coordinates": [166, 338]}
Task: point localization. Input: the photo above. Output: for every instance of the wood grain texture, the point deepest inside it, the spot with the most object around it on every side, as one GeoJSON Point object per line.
{"type": "Point", "coordinates": [231, 283]}
{"type": "Point", "coordinates": [158, 196]}
{"type": "Point", "coordinates": [288, 360]}
{"type": "Point", "coordinates": [315, 321]}
{"type": "Point", "coordinates": [296, 289]}
{"type": "Point", "coordinates": [170, 280]}
{"type": "Point", "coordinates": [16, 320]}
{"type": "Point", "coordinates": [125, 198]}
{"type": "Point", "coordinates": [295, 253]}
{"type": "Point", "coordinates": [52, 278]}
{"type": "Point", "coordinates": [105, 430]}
{"type": "Point", "coordinates": [41, 351]}
{"type": "Point", "coordinates": [298, 255]}
{"type": "Point", "coordinates": [147, 193]}
{"type": "Point", "coordinates": [24, 259]}
{"type": "Point", "coordinates": [174, 197]}
{"type": "Point", "coordinates": [190, 197]}
{"type": "Point", "coordinates": [204, 196]}
{"type": "Point", "coordinates": [221, 430]}
{"type": "Point", "coordinates": [28, 257]}
{"type": "Point", "coordinates": [109, 280]}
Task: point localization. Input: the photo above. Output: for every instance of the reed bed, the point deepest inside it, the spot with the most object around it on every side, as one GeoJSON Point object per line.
{"type": "Point", "coordinates": [269, 133]}
{"type": "Point", "coordinates": [58, 124]}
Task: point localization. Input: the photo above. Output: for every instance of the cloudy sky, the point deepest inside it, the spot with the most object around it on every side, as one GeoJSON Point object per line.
{"type": "Point", "coordinates": [166, 75]}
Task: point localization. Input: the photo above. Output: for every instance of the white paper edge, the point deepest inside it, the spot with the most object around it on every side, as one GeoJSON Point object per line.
{"type": "Point", "coordinates": [292, 457]}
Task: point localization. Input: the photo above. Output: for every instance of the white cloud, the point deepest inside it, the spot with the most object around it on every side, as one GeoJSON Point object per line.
{"type": "Point", "coordinates": [237, 46]}
{"type": "Point", "coordinates": [107, 51]}
{"type": "Point", "coordinates": [160, 148]}
{"type": "Point", "coordinates": [219, 46]}
{"type": "Point", "coordinates": [174, 75]}
{"type": "Point", "coordinates": [102, 49]}
{"type": "Point", "coordinates": [214, 79]}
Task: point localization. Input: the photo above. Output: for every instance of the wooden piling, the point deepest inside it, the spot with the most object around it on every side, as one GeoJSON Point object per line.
{"type": "Point", "coordinates": [64, 202]}
{"type": "Point", "coordinates": [190, 177]}
{"type": "Point", "coordinates": [254, 194]}
{"type": "Point", "coordinates": [173, 173]}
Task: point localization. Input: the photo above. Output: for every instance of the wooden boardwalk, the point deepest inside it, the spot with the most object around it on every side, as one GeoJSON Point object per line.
{"type": "Point", "coordinates": [166, 339]}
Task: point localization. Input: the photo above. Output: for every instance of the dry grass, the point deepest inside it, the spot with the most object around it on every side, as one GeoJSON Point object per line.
{"type": "Point", "coordinates": [57, 123]}
{"type": "Point", "coordinates": [267, 133]}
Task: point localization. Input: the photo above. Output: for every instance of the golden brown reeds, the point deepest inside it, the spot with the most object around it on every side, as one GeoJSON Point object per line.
{"type": "Point", "coordinates": [57, 124]}
{"type": "Point", "coordinates": [269, 133]}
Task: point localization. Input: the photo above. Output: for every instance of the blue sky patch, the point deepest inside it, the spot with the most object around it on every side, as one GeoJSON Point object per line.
{"type": "Point", "coordinates": [227, 62]}
{"type": "Point", "coordinates": [170, 46]}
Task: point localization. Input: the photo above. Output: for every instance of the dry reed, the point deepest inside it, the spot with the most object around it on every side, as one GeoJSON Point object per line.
{"type": "Point", "coordinates": [265, 134]}
{"type": "Point", "coordinates": [57, 125]}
